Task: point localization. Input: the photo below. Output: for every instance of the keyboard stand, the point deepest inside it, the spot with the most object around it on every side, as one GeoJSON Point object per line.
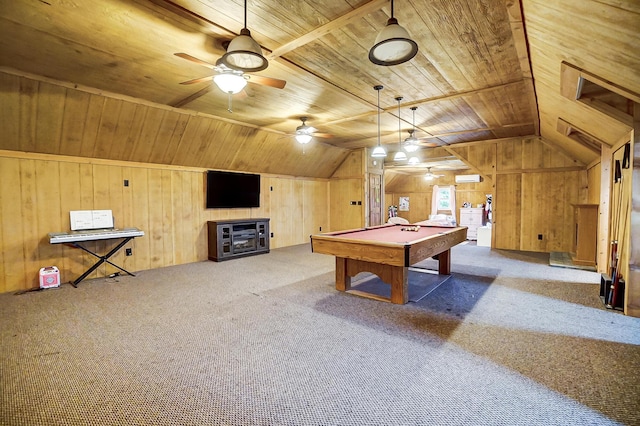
{"type": "Point", "coordinates": [102, 259]}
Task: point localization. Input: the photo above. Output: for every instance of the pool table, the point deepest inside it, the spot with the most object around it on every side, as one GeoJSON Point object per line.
{"type": "Point", "coordinates": [387, 251]}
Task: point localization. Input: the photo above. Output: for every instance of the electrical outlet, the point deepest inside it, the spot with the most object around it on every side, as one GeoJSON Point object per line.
{"type": "Point", "coordinates": [126, 182]}
{"type": "Point", "coordinates": [128, 252]}
{"type": "Point", "coordinates": [320, 229]}
{"type": "Point", "coordinates": [539, 236]}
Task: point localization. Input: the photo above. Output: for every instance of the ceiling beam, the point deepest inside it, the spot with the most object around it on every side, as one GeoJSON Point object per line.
{"type": "Point", "coordinates": [440, 135]}
{"type": "Point", "coordinates": [425, 101]}
{"type": "Point", "coordinates": [482, 129]}
{"type": "Point", "coordinates": [325, 29]}
{"type": "Point", "coordinates": [522, 48]}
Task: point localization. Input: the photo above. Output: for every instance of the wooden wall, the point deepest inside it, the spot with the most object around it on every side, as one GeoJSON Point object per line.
{"type": "Point", "coordinates": [420, 192]}
{"type": "Point", "coordinates": [51, 117]}
{"type": "Point", "coordinates": [533, 187]}
{"type": "Point", "coordinates": [622, 228]}
{"type": "Point", "coordinates": [37, 191]}
{"type": "Point", "coordinates": [346, 187]}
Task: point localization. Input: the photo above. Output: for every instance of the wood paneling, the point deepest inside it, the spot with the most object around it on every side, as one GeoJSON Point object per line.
{"type": "Point", "coordinates": [316, 213]}
{"type": "Point", "coordinates": [598, 37]}
{"type": "Point", "coordinates": [623, 197]}
{"type": "Point", "coordinates": [342, 194]}
{"type": "Point", "coordinates": [420, 192]}
{"type": "Point", "coordinates": [38, 191]}
{"type": "Point", "coordinates": [533, 192]}
{"type": "Point", "coordinates": [632, 295]}
{"type": "Point", "coordinates": [471, 70]}
{"type": "Point", "coordinates": [346, 189]}
{"type": "Point", "coordinates": [56, 118]}
{"type": "Point", "coordinates": [507, 212]}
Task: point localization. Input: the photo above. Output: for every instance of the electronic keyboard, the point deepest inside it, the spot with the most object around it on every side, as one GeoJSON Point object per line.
{"type": "Point", "coordinates": [93, 234]}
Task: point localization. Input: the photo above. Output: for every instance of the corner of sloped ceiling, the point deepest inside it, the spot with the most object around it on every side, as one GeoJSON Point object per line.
{"type": "Point", "coordinates": [351, 164]}
{"type": "Point", "coordinates": [394, 181]}
{"type": "Point", "coordinates": [238, 147]}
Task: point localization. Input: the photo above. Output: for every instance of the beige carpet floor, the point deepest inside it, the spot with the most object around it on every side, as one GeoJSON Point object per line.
{"type": "Point", "coordinates": [267, 340]}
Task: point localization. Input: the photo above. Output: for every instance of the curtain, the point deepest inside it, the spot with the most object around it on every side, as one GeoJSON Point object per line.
{"type": "Point", "coordinates": [434, 201]}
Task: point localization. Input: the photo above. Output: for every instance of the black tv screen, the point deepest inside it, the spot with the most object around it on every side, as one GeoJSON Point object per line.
{"type": "Point", "coordinates": [232, 190]}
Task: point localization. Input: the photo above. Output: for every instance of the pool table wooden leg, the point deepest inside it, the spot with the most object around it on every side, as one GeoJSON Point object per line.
{"type": "Point", "coordinates": [399, 285]}
{"type": "Point", "coordinates": [444, 263]}
{"type": "Point", "coordinates": [343, 280]}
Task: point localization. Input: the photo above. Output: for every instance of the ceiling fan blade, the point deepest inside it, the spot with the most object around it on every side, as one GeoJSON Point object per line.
{"type": "Point", "coordinates": [191, 98]}
{"type": "Point", "coordinates": [322, 135]}
{"type": "Point", "coordinates": [194, 59]}
{"type": "Point", "coordinates": [198, 80]}
{"type": "Point", "coordinates": [267, 81]}
{"type": "Point", "coordinates": [429, 144]}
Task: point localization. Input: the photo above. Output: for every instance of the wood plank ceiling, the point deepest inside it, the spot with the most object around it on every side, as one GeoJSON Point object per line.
{"type": "Point", "coordinates": [472, 80]}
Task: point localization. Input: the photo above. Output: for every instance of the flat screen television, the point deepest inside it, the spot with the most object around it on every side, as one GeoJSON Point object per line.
{"type": "Point", "coordinates": [232, 190]}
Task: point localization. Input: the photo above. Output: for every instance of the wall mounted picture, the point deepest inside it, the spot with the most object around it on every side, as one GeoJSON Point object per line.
{"type": "Point", "coordinates": [403, 204]}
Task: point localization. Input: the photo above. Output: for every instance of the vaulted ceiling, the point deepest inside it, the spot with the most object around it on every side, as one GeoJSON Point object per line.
{"type": "Point", "coordinates": [485, 70]}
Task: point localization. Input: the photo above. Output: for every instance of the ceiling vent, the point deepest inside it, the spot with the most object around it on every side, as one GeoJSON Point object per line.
{"type": "Point", "coordinates": [468, 178]}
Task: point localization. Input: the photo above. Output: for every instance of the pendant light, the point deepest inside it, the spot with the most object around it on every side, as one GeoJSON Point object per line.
{"type": "Point", "coordinates": [393, 45]}
{"type": "Point", "coordinates": [244, 53]}
{"type": "Point", "coordinates": [400, 155]}
{"type": "Point", "coordinates": [411, 143]}
{"type": "Point", "coordinates": [378, 151]}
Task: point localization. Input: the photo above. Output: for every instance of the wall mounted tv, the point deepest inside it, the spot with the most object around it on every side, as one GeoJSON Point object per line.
{"type": "Point", "coordinates": [232, 190]}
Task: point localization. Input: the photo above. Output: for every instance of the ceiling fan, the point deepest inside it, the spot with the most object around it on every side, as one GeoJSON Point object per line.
{"type": "Point", "coordinates": [412, 143]}
{"type": "Point", "coordinates": [230, 81]}
{"type": "Point", "coordinates": [304, 133]}
{"type": "Point", "coordinates": [431, 176]}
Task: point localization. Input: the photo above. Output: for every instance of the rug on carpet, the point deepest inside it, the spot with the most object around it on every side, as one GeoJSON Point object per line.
{"type": "Point", "coordinates": [563, 260]}
{"type": "Point", "coordinates": [421, 283]}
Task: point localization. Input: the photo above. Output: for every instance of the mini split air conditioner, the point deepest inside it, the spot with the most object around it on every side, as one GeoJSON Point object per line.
{"type": "Point", "coordinates": [467, 178]}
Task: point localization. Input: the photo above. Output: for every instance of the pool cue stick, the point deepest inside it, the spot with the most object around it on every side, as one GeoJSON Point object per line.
{"type": "Point", "coordinates": [613, 267]}
{"type": "Point", "coordinates": [616, 280]}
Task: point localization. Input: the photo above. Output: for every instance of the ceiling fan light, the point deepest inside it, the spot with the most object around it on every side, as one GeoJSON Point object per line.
{"type": "Point", "coordinates": [413, 161]}
{"type": "Point", "coordinates": [303, 138]}
{"type": "Point", "coordinates": [428, 176]}
{"type": "Point", "coordinates": [393, 45]}
{"type": "Point", "coordinates": [400, 156]}
{"type": "Point", "coordinates": [410, 146]}
{"type": "Point", "coordinates": [244, 54]}
{"type": "Point", "coordinates": [230, 83]}
{"type": "Point", "coordinates": [378, 152]}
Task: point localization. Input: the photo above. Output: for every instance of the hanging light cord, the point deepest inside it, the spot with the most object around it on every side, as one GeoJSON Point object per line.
{"type": "Point", "coordinates": [245, 13]}
{"type": "Point", "coordinates": [414, 120]}
{"type": "Point", "coordinates": [399, 98]}
{"type": "Point", "coordinates": [378, 89]}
